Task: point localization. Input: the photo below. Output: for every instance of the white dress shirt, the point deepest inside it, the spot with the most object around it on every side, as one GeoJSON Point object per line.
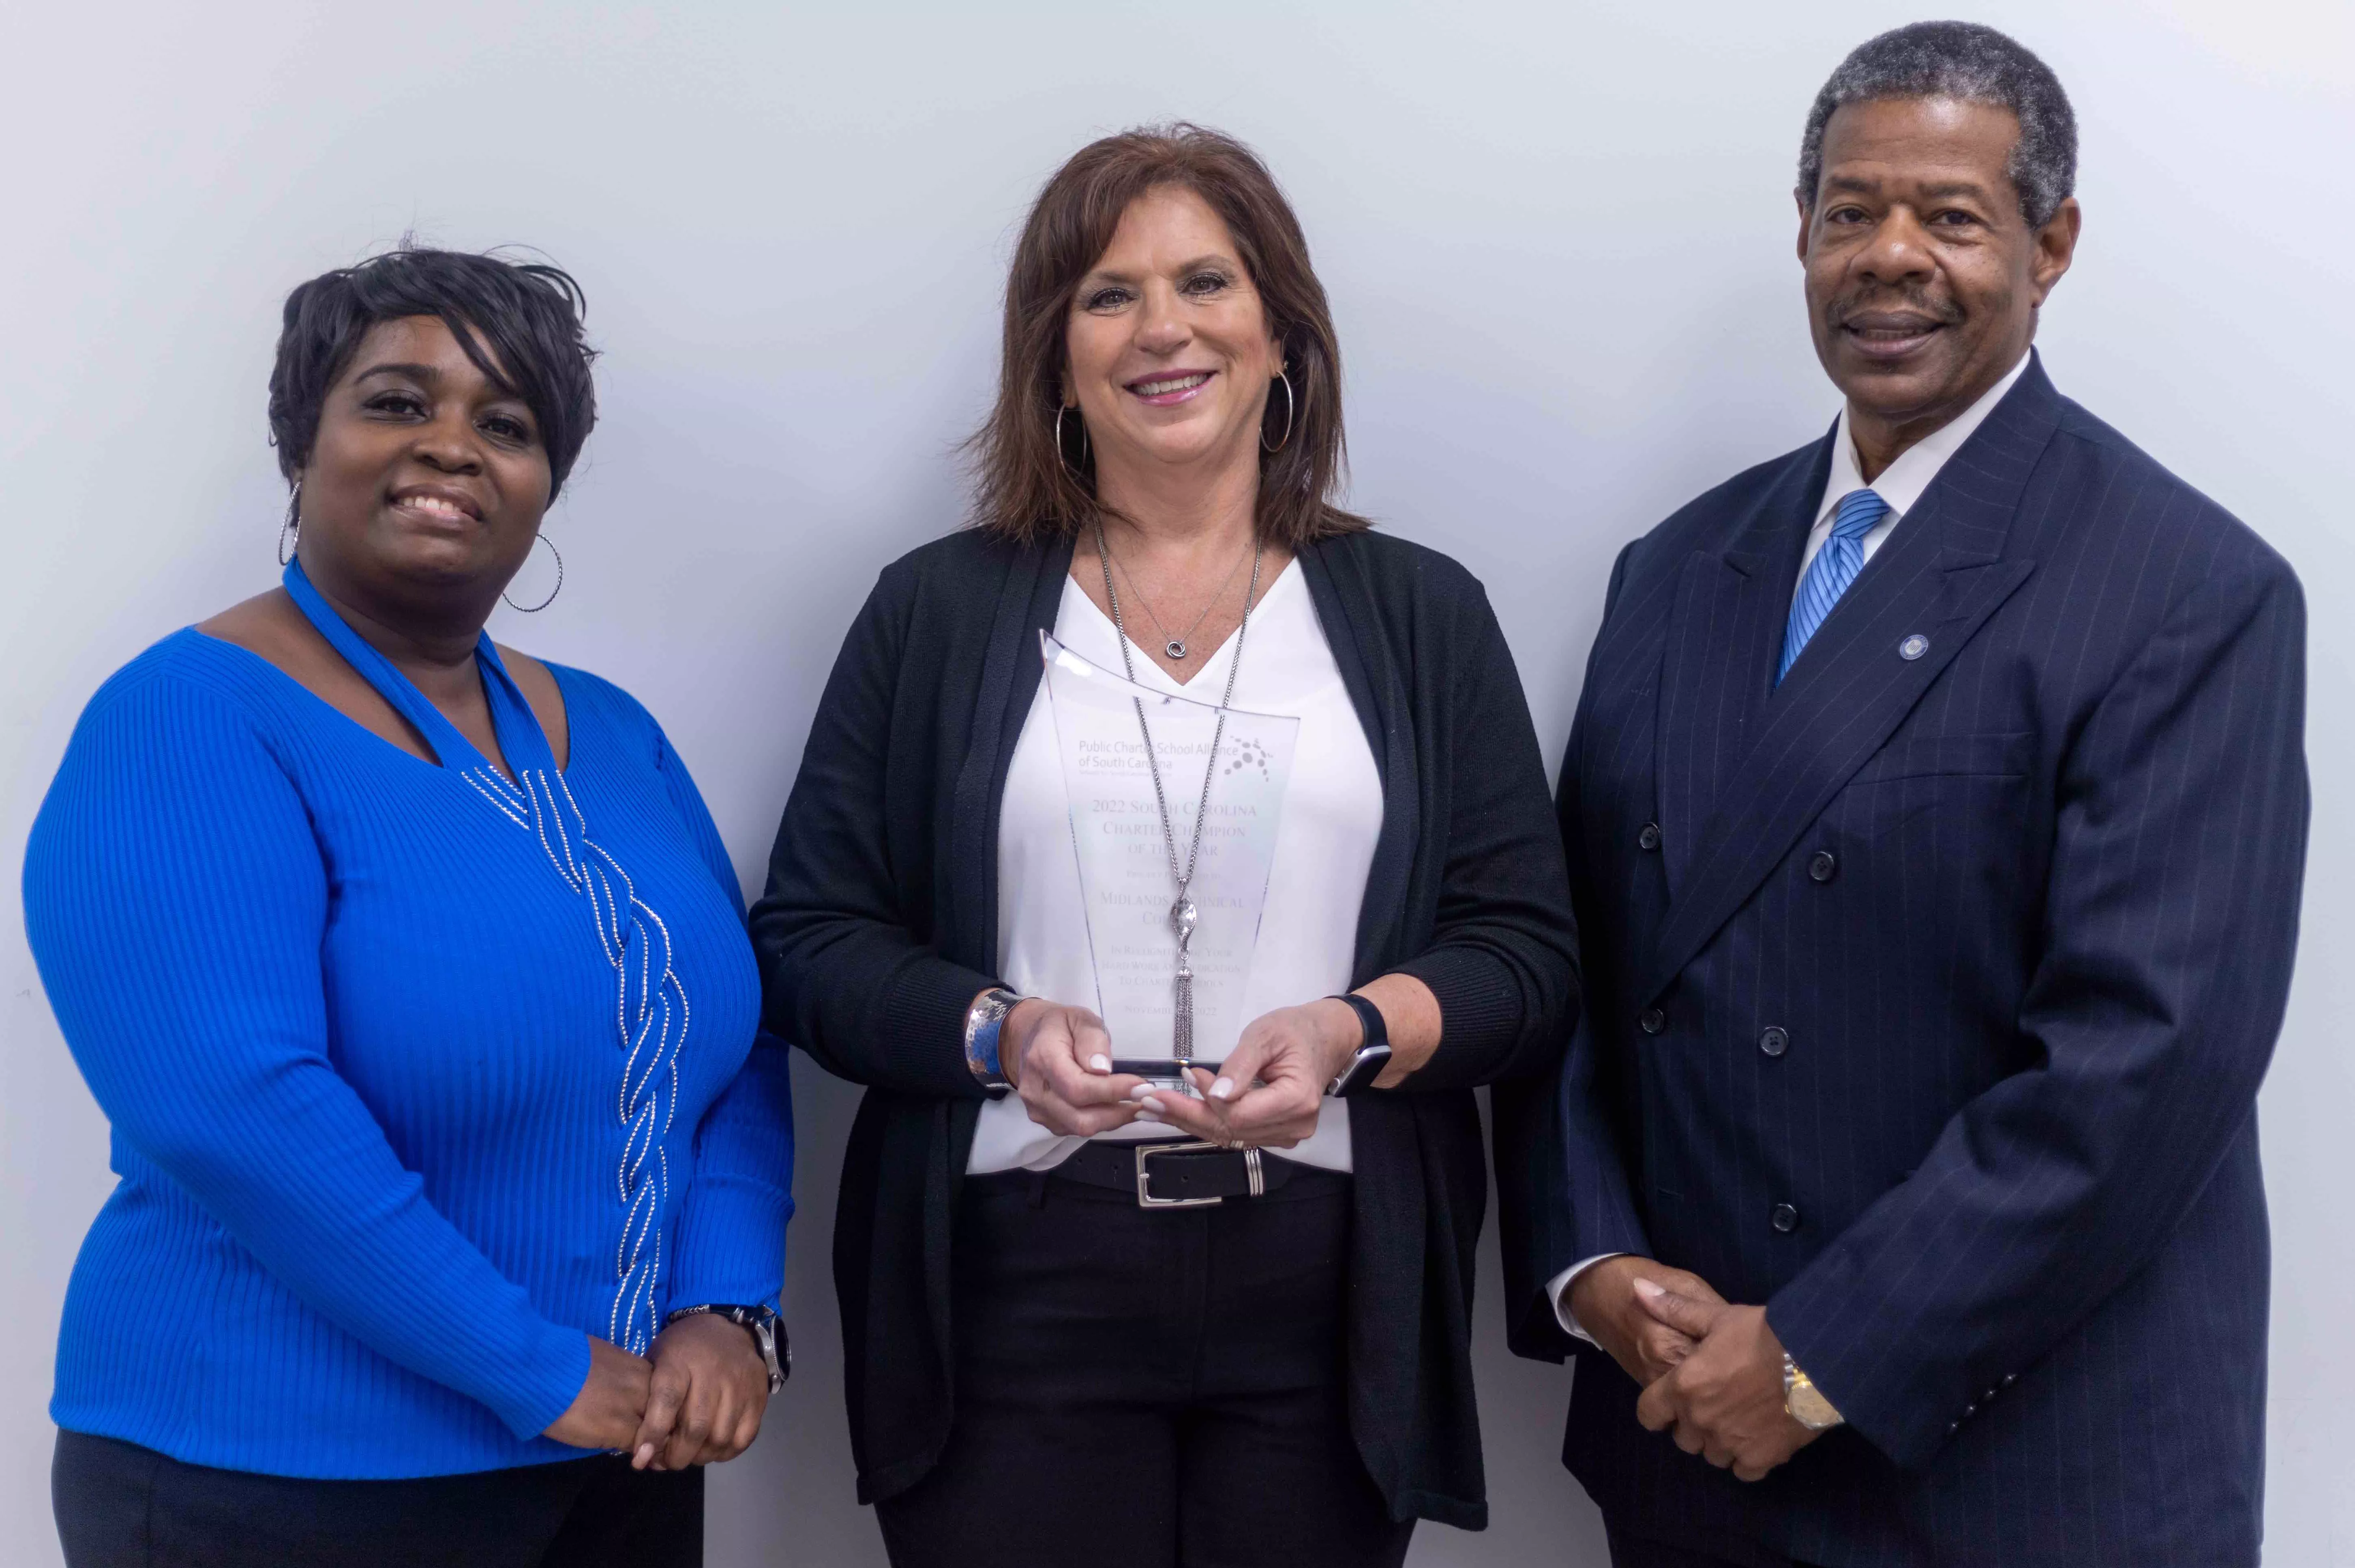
{"type": "Point", "coordinates": [1332, 815]}
{"type": "Point", "coordinates": [1901, 483]}
{"type": "Point", "coordinates": [1901, 486]}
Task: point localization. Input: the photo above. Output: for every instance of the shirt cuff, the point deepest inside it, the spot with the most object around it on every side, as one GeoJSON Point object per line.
{"type": "Point", "coordinates": [1558, 1292]}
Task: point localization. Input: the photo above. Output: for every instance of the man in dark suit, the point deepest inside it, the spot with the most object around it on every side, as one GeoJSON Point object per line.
{"type": "Point", "coordinates": [1936, 808]}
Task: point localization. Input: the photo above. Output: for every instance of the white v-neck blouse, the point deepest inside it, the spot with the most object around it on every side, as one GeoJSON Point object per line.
{"type": "Point", "coordinates": [1324, 850]}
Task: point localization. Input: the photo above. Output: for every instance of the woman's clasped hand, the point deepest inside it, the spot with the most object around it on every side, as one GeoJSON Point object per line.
{"type": "Point", "coordinates": [1059, 1060]}
{"type": "Point", "coordinates": [1267, 1093]}
{"type": "Point", "coordinates": [696, 1399]}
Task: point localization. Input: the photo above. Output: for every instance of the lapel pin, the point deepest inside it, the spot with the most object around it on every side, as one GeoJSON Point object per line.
{"type": "Point", "coordinates": [1914, 648]}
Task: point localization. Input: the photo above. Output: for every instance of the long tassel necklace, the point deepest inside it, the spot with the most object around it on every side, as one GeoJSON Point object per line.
{"type": "Point", "coordinates": [1183, 915]}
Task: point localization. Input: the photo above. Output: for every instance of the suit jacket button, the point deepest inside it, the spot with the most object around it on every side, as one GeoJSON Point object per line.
{"type": "Point", "coordinates": [1823, 866]}
{"type": "Point", "coordinates": [1649, 838]}
{"type": "Point", "coordinates": [1653, 1021]}
{"type": "Point", "coordinates": [1775, 1041]}
{"type": "Point", "coordinates": [1784, 1219]}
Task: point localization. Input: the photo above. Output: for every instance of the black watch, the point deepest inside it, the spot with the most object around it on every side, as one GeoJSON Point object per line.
{"type": "Point", "coordinates": [768, 1332]}
{"type": "Point", "coordinates": [1373, 1052]}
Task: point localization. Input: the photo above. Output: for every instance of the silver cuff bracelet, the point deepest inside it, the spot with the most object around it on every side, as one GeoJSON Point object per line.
{"type": "Point", "coordinates": [983, 1022]}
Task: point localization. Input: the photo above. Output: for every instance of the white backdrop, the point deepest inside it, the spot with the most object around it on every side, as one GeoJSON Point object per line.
{"type": "Point", "coordinates": [1558, 239]}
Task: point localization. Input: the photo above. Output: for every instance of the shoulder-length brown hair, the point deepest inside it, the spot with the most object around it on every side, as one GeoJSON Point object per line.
{"type": "Point", "coordinates": [1031, 485]}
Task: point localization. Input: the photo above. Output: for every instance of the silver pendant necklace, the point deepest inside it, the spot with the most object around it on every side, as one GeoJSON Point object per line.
{"type": "Point", "coordinates": [1183, 915]}
{"type": "Point", "coordinates": [1174, 647]}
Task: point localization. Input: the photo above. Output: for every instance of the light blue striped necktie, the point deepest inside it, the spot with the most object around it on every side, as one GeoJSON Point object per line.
{"type": "Point", "coordinates": [1829, 575]}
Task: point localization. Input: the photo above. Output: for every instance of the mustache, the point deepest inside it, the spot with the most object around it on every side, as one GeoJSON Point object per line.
{"type": "Point", "coordinates": [1920, 300]}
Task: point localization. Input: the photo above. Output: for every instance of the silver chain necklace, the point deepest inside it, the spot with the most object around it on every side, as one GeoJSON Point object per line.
{"type": "Point", "coordinates": [1175, 648]}
{"type": "Point", "coordinates": [1183, 915]}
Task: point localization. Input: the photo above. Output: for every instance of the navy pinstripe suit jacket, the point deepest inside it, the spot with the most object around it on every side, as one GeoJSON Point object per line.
{"type": "Point", "coordinates": [2021, 908]}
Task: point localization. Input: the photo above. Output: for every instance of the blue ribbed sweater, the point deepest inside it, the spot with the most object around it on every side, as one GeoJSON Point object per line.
{"type": "Point", "coordinates": [404, 1105]}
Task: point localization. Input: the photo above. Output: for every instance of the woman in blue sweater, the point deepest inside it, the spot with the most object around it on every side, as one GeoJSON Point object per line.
{"type": "Point", "coordinates": [413, 976]}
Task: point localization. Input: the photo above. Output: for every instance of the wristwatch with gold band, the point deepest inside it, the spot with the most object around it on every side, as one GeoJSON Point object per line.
{"type": "Point", "coordinates": [1805, 1401]}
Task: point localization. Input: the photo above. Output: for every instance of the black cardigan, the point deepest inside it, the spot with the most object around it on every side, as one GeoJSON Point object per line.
{"type": "Point", "coordinates": [879, 928]}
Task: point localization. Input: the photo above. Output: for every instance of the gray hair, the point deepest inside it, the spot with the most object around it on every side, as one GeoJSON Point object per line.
{"type": "Point", "coordinates": [1971, 63]}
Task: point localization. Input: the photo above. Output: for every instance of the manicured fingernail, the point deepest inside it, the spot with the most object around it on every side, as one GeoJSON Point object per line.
{"type": "Point", "coordinates": [1648, 1291]}
{"type": "Point", "coordinates": [1149, 1103]}
{"type": "Point", "coordinates": [1223, 1088]}
{"type": "Point", "coordinates": [1099, 1063]}
{"type": "Point", "coordinates": [645, 1452]}
{"type": "Point", "coordinates": [1146, 1116]}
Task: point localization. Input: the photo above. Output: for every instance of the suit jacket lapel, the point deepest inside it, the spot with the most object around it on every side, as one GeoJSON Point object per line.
{"type": "Point", "coordinates": [1724, 637]}
{"type": "Point", "coordinates": [1939, 577]}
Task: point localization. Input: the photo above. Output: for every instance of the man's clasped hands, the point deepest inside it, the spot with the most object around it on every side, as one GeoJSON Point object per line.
{"type": "Point", "coordinates": [696, 1398]}
{"type": "Point", "coordinates": [1711, 1373]}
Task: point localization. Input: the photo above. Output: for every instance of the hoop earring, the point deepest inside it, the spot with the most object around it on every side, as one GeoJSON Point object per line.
{"type": "Point", "coordinates": [290, 532]}
{"type": "Point", "coordinates": [536, 609]}
{"type": "Point", "coordinates": [1061, 450]}
{"type": "Point", "coordinates": [1285, 439]}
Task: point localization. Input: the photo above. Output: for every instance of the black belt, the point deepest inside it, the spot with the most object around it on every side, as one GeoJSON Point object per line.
{"type": "Point", "coordinates": [1181, 1174]}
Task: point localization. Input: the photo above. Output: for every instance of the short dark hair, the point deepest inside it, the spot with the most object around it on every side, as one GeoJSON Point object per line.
{"type": "Point", "coordinates": [1972, 63]}
{"type": "Point", "coordinates": [527, 314]}
{"type": "Point", "coordinates": [1026, 487]}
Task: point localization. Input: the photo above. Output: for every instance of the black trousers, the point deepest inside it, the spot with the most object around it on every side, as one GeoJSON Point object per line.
{"type": "Point", "coordinates": [1147, 1387]}
{"type": "Point", "coordinates": [121, 1506]}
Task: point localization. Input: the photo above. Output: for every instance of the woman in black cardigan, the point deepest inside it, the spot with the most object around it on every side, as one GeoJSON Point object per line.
{"type": "Point", "coordinates": [1042, 1369]}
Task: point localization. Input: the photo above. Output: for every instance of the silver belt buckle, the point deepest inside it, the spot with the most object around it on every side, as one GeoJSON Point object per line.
{"type": "Point", "coordinates": [1144, 1199]}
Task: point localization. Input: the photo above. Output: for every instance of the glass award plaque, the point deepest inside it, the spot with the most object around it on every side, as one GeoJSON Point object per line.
{"type": "Point", "coordinates": [1135, 915]}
